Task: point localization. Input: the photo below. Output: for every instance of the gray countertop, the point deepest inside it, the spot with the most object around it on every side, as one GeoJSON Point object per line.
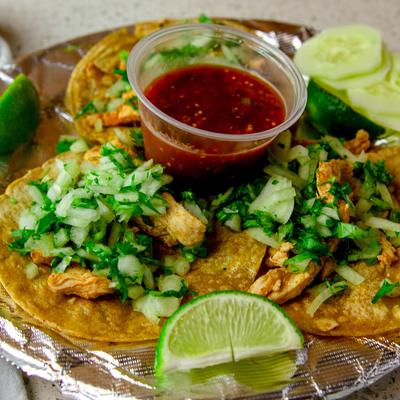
{"type": "Point", "coordinates": [33, 24]}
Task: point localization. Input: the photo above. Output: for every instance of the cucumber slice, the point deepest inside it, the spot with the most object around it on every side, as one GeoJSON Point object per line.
{"type": "Point", "coordinates": [388, 121]}
{"type": "Point", "coordinates": [330, 115]}
{"type": "Point", "coordinates": [363, 80]}
{"type": "Point", "coordinates": [380, 98]}
{"type": "Point", "coordinates": [341, 52]}
{"type": "Point", "coordinates": [394, 76]}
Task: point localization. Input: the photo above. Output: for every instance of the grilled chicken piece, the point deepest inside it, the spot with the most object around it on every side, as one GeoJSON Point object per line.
{"type": "Point", "coordinates": [388, 254]}
{"type": "Point", "coordinates": [277, 257]}
{"type": "Point", "coordinates": [177, 225]}
{"type": "Point", "coordinates": [280, 285]}
{"type": "Point", "coordinates": [339, 171]}
{"type": "Point", "coordinates": [39, 258]}
{"type": "Point", "coordinates": [80, 282]}
{"type": "Point", "coordinates": [360, 143]}
{"type": "Point", "coordinates": [123, 115]}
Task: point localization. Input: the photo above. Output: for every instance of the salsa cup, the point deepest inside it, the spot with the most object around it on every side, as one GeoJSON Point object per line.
{"type": "Point", "coordinates": [189, 152]}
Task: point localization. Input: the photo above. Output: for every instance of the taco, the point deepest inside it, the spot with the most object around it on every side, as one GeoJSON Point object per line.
{"type": "Point", "coordinates": [329, 213]}
{"type": "Point", "coordinates": [110, 276]}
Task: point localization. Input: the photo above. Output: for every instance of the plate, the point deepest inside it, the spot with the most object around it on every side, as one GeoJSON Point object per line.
{"type": "Point", "coordinates": [326, 368]}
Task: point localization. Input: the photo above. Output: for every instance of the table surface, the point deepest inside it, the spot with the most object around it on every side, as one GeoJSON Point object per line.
{"type": "Point", "coordinates": [32, 24]}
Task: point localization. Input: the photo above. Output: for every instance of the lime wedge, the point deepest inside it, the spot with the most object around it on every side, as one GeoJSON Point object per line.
{"type": "Point", "coordinates": [221, 327]}
{"type": "Point", "coordinates": [19, 114]}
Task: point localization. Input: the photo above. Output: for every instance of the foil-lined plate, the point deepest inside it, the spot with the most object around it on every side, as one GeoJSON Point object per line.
{"type": "Point", "coordinates": [327, 368]}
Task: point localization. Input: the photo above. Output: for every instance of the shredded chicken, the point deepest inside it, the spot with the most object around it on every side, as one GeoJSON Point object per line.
{"type": "Point", "coordinates": [39, 258]}
{"type": "Point", "coordinates": [388, 254]}
{"type": "Point", "coordinates": [344, 210]}
{"type": "Point", "coordinates": [128, 95]}
{"type": "Point", "coordinates": [177, 225]}
{"type": "Point", "coordinates": [328, 266]}
{"type": "Point", "coordinates": [123, 115]}
{"type": "Point", "coordinates": [339, 171]}
{"type": "Point", "coordinates": [277, 257]}
{"type": "Point", "coordinates": [326, 324]}
{"type": "Point", "coordinates": [280, 285]}
{"type": "Point", "coordinates": [80, 282]}
{"type": "Point", "coordinates": [360, 143]}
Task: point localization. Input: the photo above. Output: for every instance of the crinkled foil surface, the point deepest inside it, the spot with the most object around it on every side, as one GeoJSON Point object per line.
{"type": "Point", "coordinates": [327, 368]}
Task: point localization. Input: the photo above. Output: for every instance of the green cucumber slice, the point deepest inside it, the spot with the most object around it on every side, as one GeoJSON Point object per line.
{"type": "Point", "coordinates": [332, 116]}
{"type": "Point", "coordinates": [388, 121]}
{"type": "Point", "coordinates": [341, 52]}
{"type": "Point", "coordinates": [394, 76]}
{"type": "Point", "coordinates": [381, 98]}
{"type": "Point", "coordinates": [363, 80]}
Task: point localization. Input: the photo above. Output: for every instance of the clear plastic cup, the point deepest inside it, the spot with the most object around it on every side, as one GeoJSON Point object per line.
{"type": "Point", "coordinates": [190, 152]}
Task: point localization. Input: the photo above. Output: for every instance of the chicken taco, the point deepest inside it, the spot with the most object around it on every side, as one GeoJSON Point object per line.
{"type": "Point", "coordinates": [97, 247]}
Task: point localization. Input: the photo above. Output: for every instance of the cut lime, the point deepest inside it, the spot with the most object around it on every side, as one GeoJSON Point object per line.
{"type": "Point", "coordinates": [221, 327]}
{"type": "Point", "coordinates": [19, 114]}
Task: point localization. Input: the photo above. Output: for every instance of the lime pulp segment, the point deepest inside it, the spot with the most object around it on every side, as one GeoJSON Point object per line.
{"type": "Point", "coordinates": [224, 326]}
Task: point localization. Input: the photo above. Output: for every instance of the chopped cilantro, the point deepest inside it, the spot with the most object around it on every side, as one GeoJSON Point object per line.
{"type": "Point", "coordinates": [123, 55]}
{"type": "Point", "coordinates": [350, 231]}
{"type": "Point", "coordinates": [191, 253]}
{"type": "Point", "coordinates": [123, 73]}
{"type": "Point", "coordinates": [341, 191]}
{"type": "Point", "coordinates": [64, 145]}
{"type": "Point", "coordinates": [21, 237]}
{"type": "Point", "coordinates": [84, 203]}
{"type": "Point", "coordinates": [137, 137]}
{"type": "Point", "coordinates": [309, 241]}
{"type": "Point", "coordinates": [299, 263]}
{"type": "Point", "coordinates": [89, 108]}
{"type": "Point", "coordinates": [385, 289]}
{"type": "Point", "coordinates": [46, 223]}
{"type": "Point", "coordinates": [172, 293]}
{"type": "Point", "coordinates": [372, 172]}
{"type": "Point", "coordinates": [189, 196]}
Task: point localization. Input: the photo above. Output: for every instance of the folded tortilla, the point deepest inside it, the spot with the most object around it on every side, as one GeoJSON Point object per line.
{"type": "Point", "coordinates": [233, 263]}
{"type": "Point", "coordinates": [352, 313]}
{"type": "Point", "coordinates": [105, 318]}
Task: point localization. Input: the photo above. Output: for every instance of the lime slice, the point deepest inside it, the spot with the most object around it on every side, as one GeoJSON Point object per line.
{"type": "Point", "coordinates": [224, 326]}
{"type": "Point", "coordinates": [19, 114]}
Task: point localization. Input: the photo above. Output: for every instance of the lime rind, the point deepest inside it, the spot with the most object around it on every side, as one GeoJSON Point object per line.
{"type": "Point", "coordinates": [166, 360]}
{"type": "Point", "coordinates": [19, 114]}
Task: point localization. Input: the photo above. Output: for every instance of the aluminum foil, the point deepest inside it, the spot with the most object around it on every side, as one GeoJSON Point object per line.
{"type": "Point", "coordinates": [327, 368]}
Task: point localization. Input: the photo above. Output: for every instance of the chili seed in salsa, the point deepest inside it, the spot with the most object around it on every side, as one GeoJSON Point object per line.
{"type": "Point", "coordinates": [218, 99]}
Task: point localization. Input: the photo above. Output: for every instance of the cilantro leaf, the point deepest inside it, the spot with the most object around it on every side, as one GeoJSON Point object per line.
{"type": "Point", "coordinates": [310, 242]}
{"type": "Point", "coordinates": [350, 231]}
{"type": "Point", "coordinates": [385, 289]}
{"type": "Point", "coordinates": [89, 108]}
{"type": "Point", "coordinates": [46, 223]}
{"type": "Point", "coordinates": [191, 253]}
{"type": "Point", "coordinates": [21, 237]}
{"type": "Point", "coordinates": [299, 263]}
{"type": "Point", "coordinates": [64, 145]}
{"type": "Point", "coordinates": [137, 137]}
{"type": "Point", "coordinates": [172, 293]}
{"type": "Point", "coordinates": [372, 172]}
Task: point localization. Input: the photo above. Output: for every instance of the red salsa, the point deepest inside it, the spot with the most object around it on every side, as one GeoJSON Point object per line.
{"type": "Point", "coordinates": [217, 99]}
{"type": "Point", "coordinates": [213, 98]}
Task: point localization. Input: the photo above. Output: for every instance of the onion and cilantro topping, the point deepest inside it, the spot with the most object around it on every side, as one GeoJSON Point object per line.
{"type": "Point", "coordinates": [84, 216]}
{"type": "Point", "coordinates": [327, 202]}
